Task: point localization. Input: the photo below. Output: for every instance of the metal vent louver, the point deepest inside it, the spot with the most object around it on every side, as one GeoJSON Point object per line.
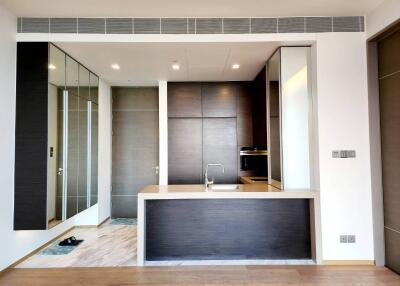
{"type": "Point", "coordinates": [63, 25]}
{"type": "Point", "coordinates": [119, 26]}
{"type": "Point", "coordinates": [346, 24]}
{"type": "Point", "coordinates": [191, 25]}
{"type": "Point", "coordinates": [174, 26]}
{"type": "Point", "coordinates": [264, 25]}
{"type": "Point", "coordinates": [291, 25]}
{"type": "Point", "coordinates": [35, 25]}
{"type": "Point", "coordinates": [91, 25]}
{"type": "Point", "coordinates": [209, 26]}
{"type": "Point", "coordinates": [146, 25]}
{"type": "Point", "coordinates": [318, 24]}
{"type": "Point", "coordinates": [236, 25]}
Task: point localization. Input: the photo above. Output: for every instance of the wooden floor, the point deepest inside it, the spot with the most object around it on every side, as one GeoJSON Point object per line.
{"type": "Point", "coordinates": [204, 276]}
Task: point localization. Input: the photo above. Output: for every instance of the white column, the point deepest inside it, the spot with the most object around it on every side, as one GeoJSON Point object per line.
{"type": "Point", "coordinates": [163, 131]}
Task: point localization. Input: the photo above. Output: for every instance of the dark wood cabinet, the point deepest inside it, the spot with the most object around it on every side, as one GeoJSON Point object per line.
{"type": "Point", "coordinates": [218, 99]}
{"type": "Point", "coordinates": [260, 109]}
{"type": "Point", "coordinates": [30, 195]}
{"type": "Point", "coordinates": [208, 123]}
{"type": "Point", "coordinates": [184, 100]}
{"type": "Point", "coordinates": [185, 151]}
{"type": "Point", "coordinates": [220, 146]}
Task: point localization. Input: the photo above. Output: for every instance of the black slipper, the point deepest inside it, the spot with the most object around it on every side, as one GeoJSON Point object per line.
{"type": "Point", "coordinates": [70, 241]}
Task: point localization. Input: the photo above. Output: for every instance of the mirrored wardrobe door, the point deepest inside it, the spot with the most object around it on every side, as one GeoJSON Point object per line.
{"type": "Point", "coordinates": [55, 174]}
{"type": "Point", "coordinates": [84, 137]}
{"type": "Point", "coordinates": [72, 134]}
{"type": "Point", "coordinates": [94, 88]}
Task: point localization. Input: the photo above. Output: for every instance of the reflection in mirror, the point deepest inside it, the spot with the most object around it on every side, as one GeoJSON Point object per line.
{"type": "Point", "coordinates": [94, 94]}
{"type": "Point", "coordinates": [56, 86]}
{"type": "Point", "coordinates": [72, 83]}
{"type": "Point", "coordinates": [274, 122]}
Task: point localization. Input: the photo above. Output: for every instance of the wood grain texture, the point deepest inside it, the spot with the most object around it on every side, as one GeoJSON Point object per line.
{"type": "Point", "coordinates": [218, 100]}
{"type": "Point", "coordinates": [30, 185]}
{"type": "Point", "coordinates": [185, 150]}
{"type": "Point", "coordinates": [204, 276]}
{"type": "Point", "coordinates": [220, 146]}
{"type": "Point", "coordinates": [227, 229]}
{"type": "Point", "coordinates": [184, 99]}
{"type": "Point", "coordinates": [389, 100]}
{"type": "Point", "coordinates": [134, 146]}
{"type": "Point", "coordinates": [260, 109]}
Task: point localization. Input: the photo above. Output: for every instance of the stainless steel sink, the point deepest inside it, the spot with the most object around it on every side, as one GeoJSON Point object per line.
{"type": "Point", "coordinates": [223, 188]}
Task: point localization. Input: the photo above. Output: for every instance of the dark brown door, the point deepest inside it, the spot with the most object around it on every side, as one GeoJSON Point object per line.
{"type": "Point", "coordinates": [134, 147]}
{"type": "Point", "coordinates": [389, 93]}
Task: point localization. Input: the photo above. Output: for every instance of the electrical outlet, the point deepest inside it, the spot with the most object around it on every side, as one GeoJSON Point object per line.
{"type": "Point", "coordinates": [335, 154]}
{"type": "Point", "coordinates": [351, 239]}
{"type": "Point", "coordinates": [344, 154]}
{"type": "Point", "coordinates": [343, 238]}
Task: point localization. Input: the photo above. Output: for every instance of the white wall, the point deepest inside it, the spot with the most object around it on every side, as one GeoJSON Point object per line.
{"type": "Point", "coordinates": [163, 132]}
{"type": "Point", "coordinates": [105, 117]}
{"type": "Point", "coordinates": [345, 184]}
{"type": "Point", "coordinates": [384, 15]}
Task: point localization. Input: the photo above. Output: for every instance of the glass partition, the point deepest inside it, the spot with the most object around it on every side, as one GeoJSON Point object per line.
{"type": "Point", "coordinates": [94, 89]}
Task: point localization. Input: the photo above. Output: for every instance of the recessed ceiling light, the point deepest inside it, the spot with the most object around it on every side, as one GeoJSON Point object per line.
{"type": "Point", "coordinates": [52, 67]}
{"type": "Point", "coordinates": [235, 66]}
{"type": "Point", "coordinates": [175, 66]}
{"type": "Point", "coordinates": [115, 66]}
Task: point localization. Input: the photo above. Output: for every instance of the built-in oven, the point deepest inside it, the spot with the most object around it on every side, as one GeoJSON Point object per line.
{"type": "Point", "coordinates": [254, 159]}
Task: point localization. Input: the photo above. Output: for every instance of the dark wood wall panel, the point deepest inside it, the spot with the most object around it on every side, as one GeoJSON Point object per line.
{"type": "Point", "coordinates": [185, 150]}
{"type": "Point", "coordinates": [228, 229]}
{"type": "Point", "coordinates": [134, 146]}
{"type": "Point", "coordinates": [218, 99]}
{"type": "Point", "coordinates": [184, 100]}
{"type": "Point", "coordinates": [224, 125]}
{"type": "Point", "coordinates": [220, 146]}
{"type": "Point", "coordinates": [30, 207]}
{"type": "Point", "coordinates": [389, 97]}
{"type": "Point", "coordinates": [260, 109]}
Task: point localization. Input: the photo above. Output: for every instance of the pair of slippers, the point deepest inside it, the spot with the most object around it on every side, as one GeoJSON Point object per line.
{"type": "Point", "coordinates": [70, 241]}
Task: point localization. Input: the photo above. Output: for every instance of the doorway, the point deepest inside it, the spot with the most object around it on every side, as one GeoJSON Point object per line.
{"type": "Point", "coordinates": [135, 146]}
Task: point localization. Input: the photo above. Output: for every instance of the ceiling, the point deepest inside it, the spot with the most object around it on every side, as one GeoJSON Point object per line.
{"type": "Point", "coordinates": [189, 8]}
{"type": "Point", "coordinates": [147, 63]}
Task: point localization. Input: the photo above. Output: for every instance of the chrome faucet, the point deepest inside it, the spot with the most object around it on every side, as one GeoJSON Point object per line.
{"type": "Point", "coordinates": [208, 182]}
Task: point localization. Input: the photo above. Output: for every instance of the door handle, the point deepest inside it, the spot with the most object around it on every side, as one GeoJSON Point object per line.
{"type": "Point", "coordinates": [60, 171]}
{"type": "Point", "coordinates": [156, 169]}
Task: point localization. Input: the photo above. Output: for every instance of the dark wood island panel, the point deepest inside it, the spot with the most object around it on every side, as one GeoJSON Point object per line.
{"type": "Point", "coordinates": [227, 229]}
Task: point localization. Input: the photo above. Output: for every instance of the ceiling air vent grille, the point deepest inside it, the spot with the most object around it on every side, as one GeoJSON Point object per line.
{"type": "Point", "coordinates": [126, 26]}
{"type": "Point", "coordinates": [91, 25]}
{"type": "Point", "coordinates": [209, 26]}
{"type": "Point", "coordinates": [346, 24]}
{"type": "Point", "coordinates": [236, 25]}
{"type": "Point", "coordinates": [318, 24]}
{"type": "Point", "coordinates": [35, 25]}
{"type": "Point", "coordinates": [291, 25]}
{"type": "Point", "coordinates": [119, 26]}
{"type": "Point", "coordinates": [264, 25]}
{"type": "Point", "coordinates": [174, 26]}
{"type": "Point", "coordinates": [63, 25]}
{"type": "Point", "coordinates": [146, 25]}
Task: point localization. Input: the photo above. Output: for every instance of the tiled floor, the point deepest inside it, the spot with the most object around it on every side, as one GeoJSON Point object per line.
{"type": "Point", "coordinates": [108, 245]}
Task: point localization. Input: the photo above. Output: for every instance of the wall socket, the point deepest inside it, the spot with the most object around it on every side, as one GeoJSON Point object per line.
{"type": "Point", "coordinates": [344, 154]}
{"type": "Point", "coordinates": [344, 238]}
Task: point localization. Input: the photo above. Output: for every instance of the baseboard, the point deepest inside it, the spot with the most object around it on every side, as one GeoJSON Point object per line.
{"type": "Point", "coordinates": [349, 262]}
{"type": "Point", "coordinates": [36, 250]}
{"type": "Point", "coordinates": [104, 221]}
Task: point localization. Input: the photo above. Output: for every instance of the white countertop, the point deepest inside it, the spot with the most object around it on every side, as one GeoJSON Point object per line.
{"type": "Point", "coordinates": [243, 191]}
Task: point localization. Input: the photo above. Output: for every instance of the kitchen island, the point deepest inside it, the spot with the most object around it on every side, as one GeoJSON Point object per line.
{"type": "Point", "coordinates": [233, 224]}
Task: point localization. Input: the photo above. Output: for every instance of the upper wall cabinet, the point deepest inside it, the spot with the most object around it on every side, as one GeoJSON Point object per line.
{"type": "Point", "coordinates": [56, 137]}
{"type": "Point", "coordinates": [184, 100]}
{"type": "Point", "coordinates": [289, 104]}
{"type": "Point", "coordinates": [218, 100]}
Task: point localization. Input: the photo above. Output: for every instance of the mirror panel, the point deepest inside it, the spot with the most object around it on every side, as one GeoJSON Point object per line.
{"type": "Point", "coordinates": [274, 121]}
{"type": "Point", "coordinates": [72, 84]}
{"type": "Point", "coordinates": [295, 111]}
{"type": "Point", "coordinates": [56, 85]}
{"type": "Point", "coordinates": [94, 154]}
